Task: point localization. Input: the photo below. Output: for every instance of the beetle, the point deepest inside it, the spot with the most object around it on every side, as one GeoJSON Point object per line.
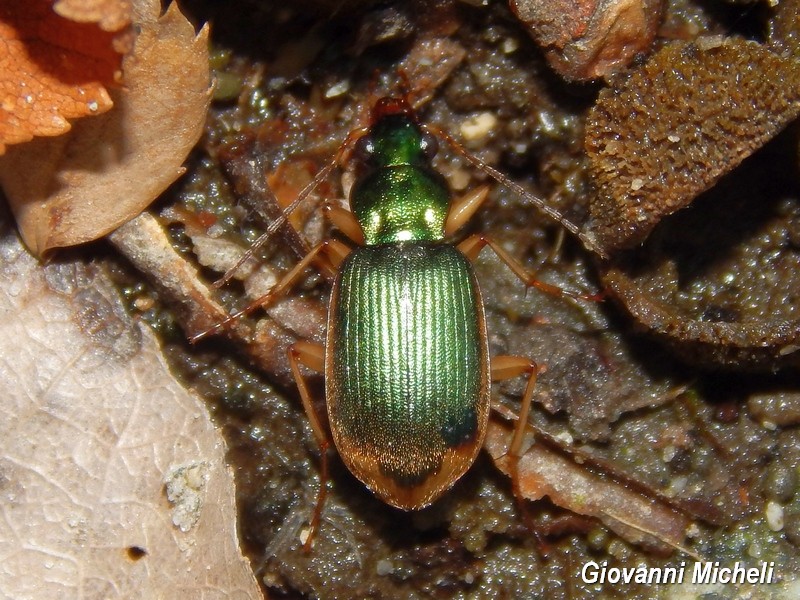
{"type": "Point", "coordinates": [406, 360]}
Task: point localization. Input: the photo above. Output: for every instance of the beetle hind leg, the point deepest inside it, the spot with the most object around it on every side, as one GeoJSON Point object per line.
{"type": "Point", "coordinates": [312, 355]}
{"type": "Point", "coordinates": [506, 367]}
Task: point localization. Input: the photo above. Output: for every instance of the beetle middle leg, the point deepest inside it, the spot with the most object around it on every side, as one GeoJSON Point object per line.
{"type": "Point", "coordinates": [472, 246]}
{"type": "Point", "coordinates": [306, 353]}
{"type": "Point", "coordinates": [312, 356]}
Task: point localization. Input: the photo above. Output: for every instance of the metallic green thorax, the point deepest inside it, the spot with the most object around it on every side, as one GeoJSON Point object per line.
{"type": "Point", "coordinates": [401, 198]}
{"type": "Point", "coordinates": [407, 369]}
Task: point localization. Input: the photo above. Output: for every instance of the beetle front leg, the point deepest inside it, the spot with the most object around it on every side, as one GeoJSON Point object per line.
{"type": "Point", "coordinates": [312, 356]}
{"type": "Point", "coordinates": [334, 251]}
{"type": "Point", "coordinates": [462, 209]}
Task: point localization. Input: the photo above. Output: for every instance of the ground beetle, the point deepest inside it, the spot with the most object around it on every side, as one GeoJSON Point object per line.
{"type": "Point", "coordinates": [406, 362]}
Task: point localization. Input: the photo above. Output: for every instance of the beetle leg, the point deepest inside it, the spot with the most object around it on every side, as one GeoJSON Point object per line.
{"type": "Point", "coordinates": [507, 367]}
{"type": "Point", "coordinates": [345, 222]}
{"type": "Point", "coordinates": [277, 223]}
{"type": "Point", "coordinates": [537, 201]}
{"type": "Point", "coordinates": [462, 209]}
{"type": "Point", "coordinates": [472, 246]}
{"type": "Point", "coordinates": [333, 250]}
{"type": "Point", "coordinates": [312, 356]}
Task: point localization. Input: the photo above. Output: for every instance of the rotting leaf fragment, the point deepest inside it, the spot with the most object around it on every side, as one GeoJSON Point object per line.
{"type": "Point", "coordinates": [590, 38]}
{"type": "Point", "coordinates": [671, 129]}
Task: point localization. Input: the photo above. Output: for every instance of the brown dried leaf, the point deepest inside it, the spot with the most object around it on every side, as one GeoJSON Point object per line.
{"type": "Point", "coordinates": [111, 15]}
{"type": "Point", "coordinates": [590, 38]}
{"type": "Point", "coordinates": [114, 481]}
{"type": "Point", "coordinates": [52, 69]}
{"type": "Point", "coordinates": [76, 188]}
{"type": "Point", "coordinates": [673, 127]}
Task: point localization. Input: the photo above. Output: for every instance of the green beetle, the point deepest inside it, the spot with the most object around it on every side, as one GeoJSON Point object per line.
{"type": "Point", "coordinates": [406, 361]}
{"type": "Point", "coordinates": [407, 366]}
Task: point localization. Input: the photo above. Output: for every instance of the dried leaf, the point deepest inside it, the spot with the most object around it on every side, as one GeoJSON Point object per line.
{"type": "Point", "coordinates": [111, 15]}
{"type": "Point", "coordinates": [586, 39]}
{"type": "Point", "coordinates": [671, 128]}
{"type": "Point", "coordinates": [51, 70]}
{"type": "Point", "coordinates": [73, 189]}
{"type": "Point", "coordinates": [114, 481]}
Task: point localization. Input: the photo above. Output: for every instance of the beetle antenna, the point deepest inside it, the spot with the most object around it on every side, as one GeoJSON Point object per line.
{"type": "Point", "coordinates": [341, 156]}
{"type": "Point", "coordinates": [503, 180]}
{"type": "Point", "coordinates": [277, 223]}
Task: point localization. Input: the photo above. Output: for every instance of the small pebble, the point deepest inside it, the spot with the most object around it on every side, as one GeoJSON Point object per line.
{"type": "Point", "coordinates": [775, 519]}
{"type": "Point", "coordinates": [478, 126]}
{"type": "Point", "coordinates": [384, 567]}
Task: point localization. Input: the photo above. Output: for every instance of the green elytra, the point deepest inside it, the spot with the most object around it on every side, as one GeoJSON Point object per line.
{"type": "Point", "coordinates": [407, 368]}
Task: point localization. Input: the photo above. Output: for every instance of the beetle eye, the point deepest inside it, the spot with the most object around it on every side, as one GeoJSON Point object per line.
{"type": "Point", "coordinates": [429, 145]}
{"type": "Point", "coordinates": [364, 149]}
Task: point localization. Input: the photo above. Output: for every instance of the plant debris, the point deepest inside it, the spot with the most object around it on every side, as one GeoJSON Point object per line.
{"type": "Point", "coordinates": [667, 131]}
{"type": "Point", "coordinates": [591, 38]}
{"type": "Point", "coordinates": [75, 188]}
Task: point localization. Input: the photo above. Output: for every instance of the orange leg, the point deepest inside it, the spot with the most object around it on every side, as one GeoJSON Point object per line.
{"type": "Point", "coordinates": [472, 246]}
{"type": "Point", "coordinates": [537, 201]}
{"type": "Point", "coordinates": [312, 356]}
{"type": "Point", "coordinates": [507, 367]}
{"type": "Point", "coordinates": [462, 209]}
{"type": "Point", "coordinates": [333, 250]}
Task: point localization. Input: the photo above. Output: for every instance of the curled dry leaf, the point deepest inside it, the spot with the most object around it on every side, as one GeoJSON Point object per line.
{"type": "Point", "coordinates": [114, 481]}
{"type": "Point", "coordinates": [719, 284]}
{"type": "Point", "coordinates": [52, 68]}
{"type": "Point", "coordinates": [76, 188]}
{"type": "Point", "coordinates": [673, 127]}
